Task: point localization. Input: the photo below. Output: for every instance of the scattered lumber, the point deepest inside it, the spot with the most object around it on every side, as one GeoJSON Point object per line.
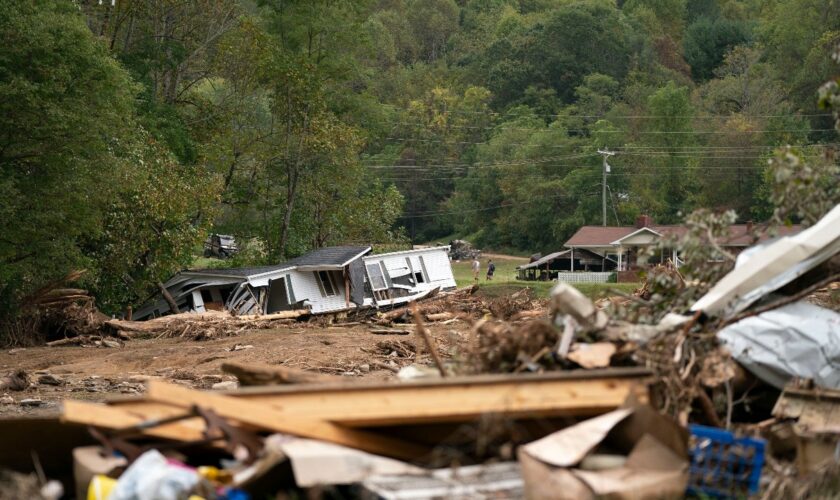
{"type": "Point", "coordinates": [269, 418]}
{"type": "Point", "coordinates": [114, 417]}
{"type": "Point", "coordinates": [250, 375]}
{"type": "Point", "coordinates": [453, 399]}
{"type": "Point", "coordinates": [440, 316]}
{"type": "Point", "coordinates": [459, 399]}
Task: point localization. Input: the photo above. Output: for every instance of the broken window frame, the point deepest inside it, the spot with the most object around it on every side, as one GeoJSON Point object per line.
{"type": "Point", "coordinates": [322, 284]}
{"type": "Point", "coordinates": [371, 277]}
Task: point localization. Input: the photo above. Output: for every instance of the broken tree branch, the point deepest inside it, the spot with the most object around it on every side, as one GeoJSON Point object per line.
{"type": "Point", "coordinates": [421, 328]}
{"type": "Point", "coordinates": [265, 375]}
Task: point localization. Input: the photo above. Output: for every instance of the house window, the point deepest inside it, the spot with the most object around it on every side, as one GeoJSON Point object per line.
{"type": "Point", "coordinates": [326, 283]}
{"type": "Point", "coordinates": [377, 277]}
{"type": "Point", "coordinates": [423, 272]}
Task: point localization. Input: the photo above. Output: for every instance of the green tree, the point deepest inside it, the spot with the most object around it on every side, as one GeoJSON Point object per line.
{"type": "Point", "coordinates": [559, 50]}
{"type": "Point", "coordinates": [63, 108]}
{"type": "Point", "coordinates": [707, 41]}
{"type": "Point", "coordinates": [665, 171]}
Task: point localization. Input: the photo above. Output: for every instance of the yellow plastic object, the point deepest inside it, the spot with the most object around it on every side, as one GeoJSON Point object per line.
{"type": "Point", "coordinates": [100, 487]}
{"type": "Point", "coordinates": [215, 474]}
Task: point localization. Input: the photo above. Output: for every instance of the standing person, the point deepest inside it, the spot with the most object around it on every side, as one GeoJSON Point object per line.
{"type": "Point", "coordinates": [491, 268]}
{"type": "Point", "coordinates": [476, 267]}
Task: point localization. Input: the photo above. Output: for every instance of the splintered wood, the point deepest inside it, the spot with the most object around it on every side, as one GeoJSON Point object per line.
{"type": "Point", "coordinates": [200, 326]}
{"type": "Point", "coordinates": [357, 414]}
{"type": "Point", "coordinates": [465, 304]}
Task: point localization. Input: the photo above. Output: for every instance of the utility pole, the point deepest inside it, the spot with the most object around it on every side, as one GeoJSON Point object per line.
{"type": "Point", "coordinates": [605, 153]}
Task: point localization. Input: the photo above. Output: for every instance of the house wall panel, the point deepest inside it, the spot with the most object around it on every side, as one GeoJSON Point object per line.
{"type": "Point", "coordinates": [436, 262]}
{"type": "Point", "coordinates": [305, 286]}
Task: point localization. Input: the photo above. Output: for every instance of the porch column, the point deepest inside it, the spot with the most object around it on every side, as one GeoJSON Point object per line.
{"type": "Point", "coordinates": [620, 251]}
{"type": "Point", "coordinates": [572, 260]}
{"type": "Point", "coordinates": [346, 275]}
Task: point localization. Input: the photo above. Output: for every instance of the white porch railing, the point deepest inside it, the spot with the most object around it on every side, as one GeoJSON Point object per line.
{"type": "Point", "coordinates": [584, 277]}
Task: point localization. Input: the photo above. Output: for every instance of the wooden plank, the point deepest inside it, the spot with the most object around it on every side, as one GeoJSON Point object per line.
{"type": "Point", "coordinates": [407, 405]}
{"type": "Point", "coordinates": [461, 399]}
{"type": "Point", "coordinates": [116, 417]}
{"type": "Point", "coordinates": [266, 417]}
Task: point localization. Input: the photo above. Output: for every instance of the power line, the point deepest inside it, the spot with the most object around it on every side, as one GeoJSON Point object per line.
{"type": "Point", "coordinates": [642, 132]}
{"type": "Point", "coordinates": [698, 116]}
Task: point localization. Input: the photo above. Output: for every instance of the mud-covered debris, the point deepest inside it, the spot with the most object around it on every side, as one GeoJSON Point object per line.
{"type": "Point", "coordinates": [398, 348]}
{"type": "Point", "coordinates": [18, 380]}
{"type": "Point", "coordinates": [49, 379]}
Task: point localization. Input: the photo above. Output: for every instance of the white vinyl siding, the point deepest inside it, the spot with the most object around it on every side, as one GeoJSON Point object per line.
{"type": "Point", "coordinates": [306, 287]}
{"type": "Point", "coordinates": [434, 267]}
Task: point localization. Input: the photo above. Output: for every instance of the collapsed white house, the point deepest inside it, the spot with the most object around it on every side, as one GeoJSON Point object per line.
{"type": "Point", "coordinates": [326, 280]}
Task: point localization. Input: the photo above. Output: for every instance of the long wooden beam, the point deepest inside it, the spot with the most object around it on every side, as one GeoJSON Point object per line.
{"type": "Point", "coordinates": [266, 417]}
{"type": "Point", "coordinates": [461, 399]}
{"type": "Point", "coordinates": [116, 417]}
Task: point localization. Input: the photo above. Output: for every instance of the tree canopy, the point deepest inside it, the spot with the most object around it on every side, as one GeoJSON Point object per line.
{"type": "Point", "coordinates": [131, 130]}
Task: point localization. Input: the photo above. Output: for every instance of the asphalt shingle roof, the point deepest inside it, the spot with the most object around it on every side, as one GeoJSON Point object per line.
{"type": "Point", "coordinates": [328, 256]}
{"type": "Point", "coordinates": [740, 234]}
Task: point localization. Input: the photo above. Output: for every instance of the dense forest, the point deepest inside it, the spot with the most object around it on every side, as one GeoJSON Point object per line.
{"type": "Point", "coordinates": [132, 128]}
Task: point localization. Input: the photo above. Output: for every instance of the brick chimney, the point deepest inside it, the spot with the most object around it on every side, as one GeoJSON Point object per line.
{"type": "Point", "coordinates": [749, 227]}
{"type": "Point", "coordinates": [643, 221]}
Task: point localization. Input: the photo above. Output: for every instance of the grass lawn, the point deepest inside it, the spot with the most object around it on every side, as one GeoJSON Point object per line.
{"type": "Point", "coordinates": [505, 282]}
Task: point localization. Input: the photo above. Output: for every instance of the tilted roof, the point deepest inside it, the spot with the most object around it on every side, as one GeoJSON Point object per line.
{"type": "Point", "coordinates": [739, 234]}
{"type": "Point", "coordinates": [556, 255]}
{"type": "Point", "coordinates": [326, 257]}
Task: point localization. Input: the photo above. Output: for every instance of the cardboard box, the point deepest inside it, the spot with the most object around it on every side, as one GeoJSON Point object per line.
{"type": "Point", "coordinates": [630, 453]}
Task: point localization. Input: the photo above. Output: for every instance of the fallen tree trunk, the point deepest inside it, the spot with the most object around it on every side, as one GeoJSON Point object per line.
{"type": "Point", "coordinates": [536, 313]}
{"type": "Point", "coordinates": [274, 375]}
{"type": "Point", "coordinates": [173, 306]}
{"type": "Point", "coordinates": [82, 339]}
{"type": "Point", "coordinates": [440, 316]}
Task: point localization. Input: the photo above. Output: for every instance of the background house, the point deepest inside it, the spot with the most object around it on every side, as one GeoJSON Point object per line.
{"type": "Point", "coordinates": [553, 265]}
{"type": "Point", "coordinates": [626, 244]}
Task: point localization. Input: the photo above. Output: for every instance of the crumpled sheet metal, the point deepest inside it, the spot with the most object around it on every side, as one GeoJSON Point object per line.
{"type": "Point", "coordinates": [797, 340]}
{"type": "Point", "coordinates": [772, 266]}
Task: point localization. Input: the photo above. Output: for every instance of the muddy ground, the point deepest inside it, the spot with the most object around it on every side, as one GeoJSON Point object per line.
{"type": "Point", "coordinates": [97, 373]}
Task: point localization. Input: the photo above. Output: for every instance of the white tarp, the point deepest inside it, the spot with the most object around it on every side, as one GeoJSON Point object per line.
{"type": "Point", "coordinates": [773, 266]}
{"type": "Point", "coordinates": [797, 340]}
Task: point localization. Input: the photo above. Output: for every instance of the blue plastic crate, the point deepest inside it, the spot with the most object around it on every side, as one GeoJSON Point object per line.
{"type": "Point", "coordinates": [722, 465]}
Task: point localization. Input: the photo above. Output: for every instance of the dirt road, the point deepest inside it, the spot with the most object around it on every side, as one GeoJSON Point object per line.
{"type": "Point", "coordinates": [93, 373]}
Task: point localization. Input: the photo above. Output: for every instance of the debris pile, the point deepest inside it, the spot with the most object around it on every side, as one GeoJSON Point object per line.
{"type": "Point", "coordinates": [465, 304]}
{"type": "Point", "coordinates": [203, 326]}
{"type": "Point", "coordinates": [554, 399]}
{"type": "Point", "coordinates": [55, 312]}
{"type": "Point", "coordinates": [462, 250]}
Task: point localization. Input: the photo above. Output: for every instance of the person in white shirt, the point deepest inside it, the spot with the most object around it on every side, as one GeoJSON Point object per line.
{"type": "Point", "coordinates": [476, 267]}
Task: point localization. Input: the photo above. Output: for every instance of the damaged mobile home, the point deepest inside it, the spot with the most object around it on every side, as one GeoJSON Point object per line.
{"type": "Point", "coordinates": [325, 280]}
